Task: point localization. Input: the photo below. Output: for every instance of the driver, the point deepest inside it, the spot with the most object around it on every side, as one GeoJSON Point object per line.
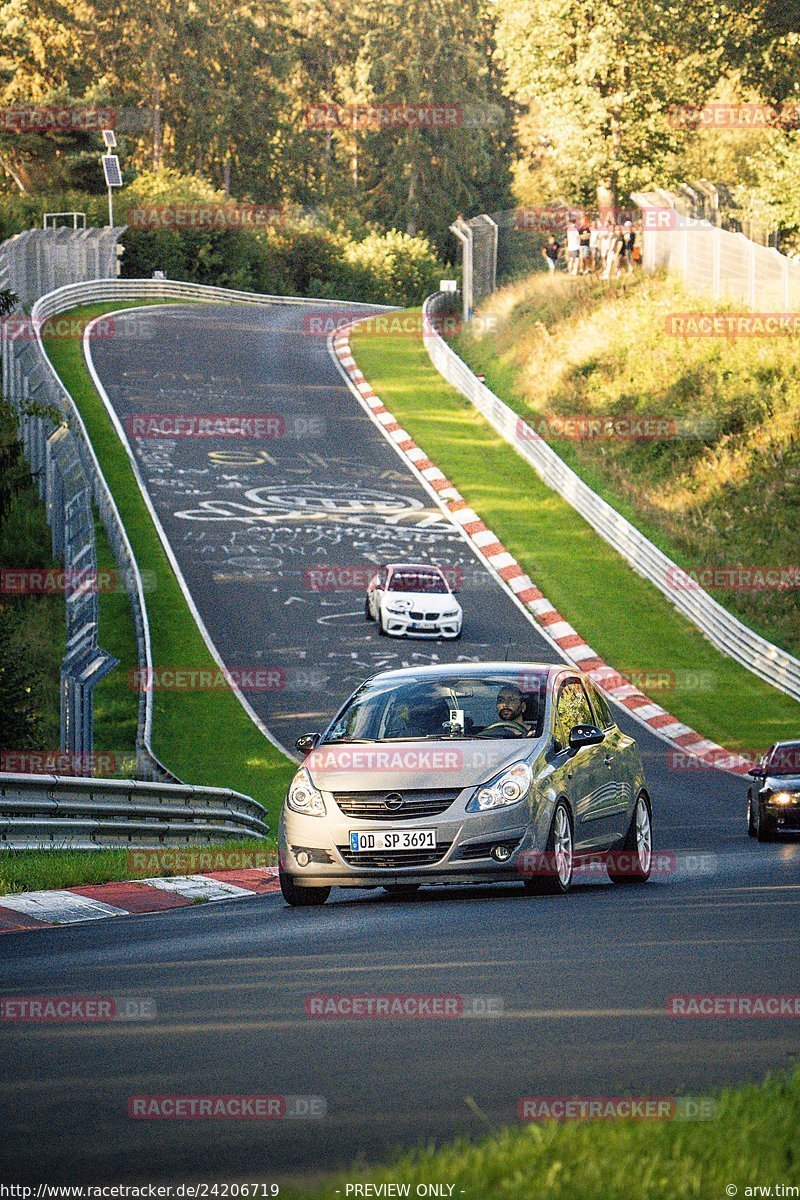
{"type": "Point", "coordinates": [511, 707]}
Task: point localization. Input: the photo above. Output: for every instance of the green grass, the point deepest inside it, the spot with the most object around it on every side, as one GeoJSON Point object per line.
{"type": "Point", "coordinates": [726, 497]}
{"type": "Point", "coordinates": [32, 627]}
{"type": "Point", "coordinates": [752, 1140]}
{"type": "Point", "coordinates": [42, 870]}
{"type": "Point", "coordinates": [203, 737]}
{"type": "Point", "coordinates": [115, 706]}
{"type": "Point", "coordinates": [627, 621]}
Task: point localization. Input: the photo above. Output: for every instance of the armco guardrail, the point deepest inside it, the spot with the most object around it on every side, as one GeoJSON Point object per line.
{"type": "Point", "coordinates": [85, 814]}
{"type": "Point", "coordinates": [729, 635]}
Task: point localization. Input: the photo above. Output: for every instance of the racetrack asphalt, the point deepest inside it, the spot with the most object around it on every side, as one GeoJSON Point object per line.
{"type": "Point", "coordinates": [582, 982]}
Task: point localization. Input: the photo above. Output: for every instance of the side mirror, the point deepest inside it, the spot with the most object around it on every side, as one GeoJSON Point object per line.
{"type": "Point", "coordinates": [306, 743]}
{"type": "Point", "coordinates": [585, 735]}
{"type": "Point", "coordinates": [757, 773]}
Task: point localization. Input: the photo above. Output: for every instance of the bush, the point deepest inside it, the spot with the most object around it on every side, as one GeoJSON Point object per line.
{"type": "Point", "coordinates": [322, 256]}
{"type": "Point", "coordinates": [298, 260]}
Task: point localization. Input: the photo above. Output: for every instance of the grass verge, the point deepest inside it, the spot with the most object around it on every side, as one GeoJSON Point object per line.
{"type": "Point", "coordinates": [203, 737]}
{"type": "Point", "coordinates": [32, 625]}
{"type": "Point", "coordinates": [627, 620]}
{"type": "Point", "coordinates": [115, 706]}
{"type": "Point", "coordinates": [751, 1140]}
{"type": "Point", "coordinates": [719, 488]}
{"type": "Point", "coordinates": [42, 870]}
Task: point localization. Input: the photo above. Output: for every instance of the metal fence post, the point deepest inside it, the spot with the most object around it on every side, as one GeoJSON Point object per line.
{"type": "Point", "coordinates": [464, 234]}
{"type": "Point", "coordinates": [716, 282]}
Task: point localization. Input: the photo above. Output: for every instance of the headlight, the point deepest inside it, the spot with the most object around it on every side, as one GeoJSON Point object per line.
{"type": "Point", "coordinates": [450, 612]}
{"type": "Point", "coordinates": [303, 797]}
{"type": "Point", "coordinates": [782, 798]}
{"type": "Point", "coordinates": [509, 787]}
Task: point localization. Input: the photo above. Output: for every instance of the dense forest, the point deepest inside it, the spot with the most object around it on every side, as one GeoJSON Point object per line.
{"type": "Point", "coordinates": [400, 114]}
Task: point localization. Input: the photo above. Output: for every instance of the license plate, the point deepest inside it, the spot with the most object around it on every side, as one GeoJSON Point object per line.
{"type": "Point", "coordinates": [393, 839]}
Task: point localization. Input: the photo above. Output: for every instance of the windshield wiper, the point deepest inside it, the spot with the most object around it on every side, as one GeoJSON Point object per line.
{"type": "Point", "coordinates": [350, 741]}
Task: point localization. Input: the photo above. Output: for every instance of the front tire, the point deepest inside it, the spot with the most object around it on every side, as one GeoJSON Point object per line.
{"type": "Point", "coordinates": [367, 614]}
{"type": "Point", "coordinates": [751, 822]}
{"type": "Point", "coordinates": [554, 870]}
{"type": "Point", "coordinates": [765, 828]}
{"type": "Point", "coordinates": [637, 849]}
{"type": "Point", "coordinates": [301, 897]}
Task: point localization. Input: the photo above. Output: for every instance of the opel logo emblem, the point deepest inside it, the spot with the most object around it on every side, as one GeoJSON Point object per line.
{"type": "Point", "coordinates": [393, 802]}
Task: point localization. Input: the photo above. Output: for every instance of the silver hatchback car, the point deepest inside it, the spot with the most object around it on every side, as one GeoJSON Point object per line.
{"type": "Point", "coordinates": [464, 774]}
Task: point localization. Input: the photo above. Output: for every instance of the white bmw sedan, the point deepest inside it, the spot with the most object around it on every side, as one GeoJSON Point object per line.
{"type": "Point", "coordinates": [412, 600]}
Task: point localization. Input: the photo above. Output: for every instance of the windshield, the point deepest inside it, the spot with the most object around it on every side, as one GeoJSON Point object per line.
{"type": "Point", "coordinates": [785, 760]}
{"type": "Point", "coordinates": [495, 706]}
{"type": "Point", "coordinates": [417, 581]}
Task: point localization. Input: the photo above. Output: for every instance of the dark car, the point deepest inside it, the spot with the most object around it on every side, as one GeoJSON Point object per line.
{"type": "Point", "coordinates": [773, 801]}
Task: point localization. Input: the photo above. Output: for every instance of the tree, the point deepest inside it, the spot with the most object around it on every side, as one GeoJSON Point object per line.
{"type": "Point", "coordinates": [435, 56]}
{"type": "Point", "coordinates": [603, 78]}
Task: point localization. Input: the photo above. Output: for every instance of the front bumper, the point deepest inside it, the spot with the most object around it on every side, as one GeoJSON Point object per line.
{"type": "Point", "coordinates": [463, 853]}
{"type": "Point", "coordinates": [785, 816]}
{"type": "Point", "coordinates": [404, 625]}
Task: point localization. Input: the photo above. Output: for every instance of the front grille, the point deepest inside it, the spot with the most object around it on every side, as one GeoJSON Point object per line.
{"type": "Point", "coordinates": [484, 849]}
{"type": "Point", "coordinates": [422, 616]}
{"type": "Point", "coordinates": [394, 858]}
{"type": "Point", "coordinates": [372, 805]}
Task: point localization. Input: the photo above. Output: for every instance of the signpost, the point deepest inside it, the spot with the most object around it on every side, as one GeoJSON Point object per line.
{"type": "Point", "coordinates": [113, 175]}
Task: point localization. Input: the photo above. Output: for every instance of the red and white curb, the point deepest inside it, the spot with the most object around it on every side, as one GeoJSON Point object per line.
{"type": "Point", "coordinates": [682, 738]}
{"type": "Point", "coordinates": [40, 910]}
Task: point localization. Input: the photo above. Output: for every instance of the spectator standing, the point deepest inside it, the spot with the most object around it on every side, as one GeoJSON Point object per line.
{"type": "Point", "coordinates": [613, 252]}
{"type": "Point", "coordinates": [584, 240]}
{"type": "Point", "coordinates": [628, 244]}
{"type": "Point", "coordinates": [594, 245]}
{"type": "Point", "coordinates": [551, 253]}
{"type": "Point", "coordinates": [573, 248]}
